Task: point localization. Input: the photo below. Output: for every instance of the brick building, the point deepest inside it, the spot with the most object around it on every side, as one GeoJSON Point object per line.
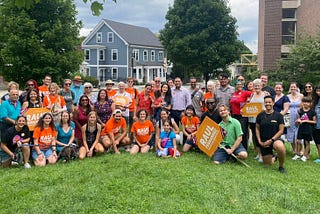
{"type": "Point", "coordinates": [280, 23]}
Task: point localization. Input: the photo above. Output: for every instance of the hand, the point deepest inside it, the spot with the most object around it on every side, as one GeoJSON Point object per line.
{"type": "Point", "coordinates": [229, 151]}
{"type": "Point", "coordinates": [19, 143]}
{"type": "Point", "coordinates": [116, 142]}
{"type": "Point", "coordinates": [89, 153]}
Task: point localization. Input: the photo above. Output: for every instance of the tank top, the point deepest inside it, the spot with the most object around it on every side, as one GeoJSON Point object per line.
{"type": "Point", "coordinates": [91, 136]}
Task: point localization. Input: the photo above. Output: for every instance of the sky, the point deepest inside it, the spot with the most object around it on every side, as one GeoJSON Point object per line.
{"type": "Point", "coordinates": [151, 14]}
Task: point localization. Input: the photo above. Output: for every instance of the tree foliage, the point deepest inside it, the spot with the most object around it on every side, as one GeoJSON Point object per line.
{"type": "Point", "coordinates": [96, 5]}
{"type": "Point", "coordinates": [303, 62]}
{"type": "Point", "coordinates": [42, 39]}
{"type": "Point", "coordinates": [201, 35]}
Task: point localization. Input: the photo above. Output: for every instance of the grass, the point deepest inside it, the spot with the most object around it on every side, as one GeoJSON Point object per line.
{"type": "Point", "coordinates": [146, 184]}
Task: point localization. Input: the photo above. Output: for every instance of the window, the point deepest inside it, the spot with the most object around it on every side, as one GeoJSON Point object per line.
{"type": "Point", "coordinates": [288, 32]}
{"type": "Point", "coordinates": [101, 55]}
{"type": "Point", "coordinates": [99, 37]}
{"type": "Point", "coordinates": [160, 56]}
{"type": "Point", "coordinates": [153, 55]}
{"type": "Point", "coordinates": [135, 54]}
{"type": "Point", "coordinates": [110, 37]}
{"type": "Point", "coordinates": [145, 55]}
{"type": "Point", "coordinates": [102, 74]}
{"type": "Point", "coordinates": [87, 54]}
{"type": "Point", "coordinates": [114, 73]}
{"type": "Point", "coordinates": [114, 54]}
{"type": "Point", "coordinates": [288, 13]}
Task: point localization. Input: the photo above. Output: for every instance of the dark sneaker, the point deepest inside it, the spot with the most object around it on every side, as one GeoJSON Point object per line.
{"type": "Point", "coordinates": [282, 170]}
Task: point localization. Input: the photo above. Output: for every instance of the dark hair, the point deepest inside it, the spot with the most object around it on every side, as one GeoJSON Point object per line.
{"type": "Point", "coordinates": [21, 115]}
{"type": "Point", "coordinates": [141, 110]}
{"type": "Point", "coordinates": [148, 84]}
{"type": "Point", "coordinates": [168, 120]}
{"type": "Point", "coordinates": [29, 92]}
{"type": "Point", "coordinates": [88, 106]}
{"type": "Point", "coordinates": [306, 99]}
{"type": "Point", "coordinates": [268, 96]}
{"type": "Point", "coordinates": [224, 75]}
{"type": "Point", "coordinates": [40, 121]}
{"type": "Point", "coordinates": [168, 95]}
{"type": "Point", "coordinates": [316, 97]}
{"type": "Point", "coordinates": [35, 84]}
{"type": "Point", "coordinates": [98, 97]}
{"type": "Point", "coordinates": [192, 108]}
{"type": "Point", "coordinates": [69, 120]}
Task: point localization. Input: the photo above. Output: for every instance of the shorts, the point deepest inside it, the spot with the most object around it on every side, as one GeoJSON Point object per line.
{"type": "Point", "coordinates": [167, 151]}
{"type": "Point", "coordinates": [4, 157]}
{"type": "Point", "coordinates": [191, 142]}
{"type": "Point", "coordinates": [316, 136]}
{"type": "Point", "coordinates": [268, 150]}
{"type": "Point", "coordinates": [304, 136]}
{"type": "Point", "coordinates": [47, 153]}
{"type": "Point", "coordinates": [222, 156]}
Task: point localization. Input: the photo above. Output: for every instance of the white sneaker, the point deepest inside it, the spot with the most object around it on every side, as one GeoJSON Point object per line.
{"type": "Point", "coordinates": [256, 157]}
{"type": "Point", "coordinates": [27, 166]}
{"type": "Point", "coordinates": [304, 158]}
{"type": "Point", "coordinates": [296, 157]}
{"type": "Point", "coordinates": [14, 163]}
{"type": "Point", "coordinates": [260, 160]}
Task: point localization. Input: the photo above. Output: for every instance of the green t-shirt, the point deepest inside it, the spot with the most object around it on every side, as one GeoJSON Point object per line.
{"type": "Point", "coordinates": [233, 128]}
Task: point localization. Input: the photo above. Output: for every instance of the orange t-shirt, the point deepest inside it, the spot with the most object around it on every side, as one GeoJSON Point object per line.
{"type": "Point", "coordinates": [113, 126]}
{"type": "Point", "coordinates": [49, 100]}
{"type": "Point", "coordinates": [142, 130]}
{"type": "Point", "coordinates": [134, 94]}
{"type": "Point", "coordinates": [207, 95]}
{"type": "Point", "coordinates": [44, 137]}
{"type": "Point", "coordinates": [43, 90]}
{"type": "Point", "coordinates": [190, 124]}
{"type": "Point", "coordinates": [111, 93]}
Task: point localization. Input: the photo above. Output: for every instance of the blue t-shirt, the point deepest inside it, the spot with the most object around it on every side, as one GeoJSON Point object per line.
{"type": "Point", "coordinates": [170, 136]}
{"type": "Point", "coordinates": [62, 136]}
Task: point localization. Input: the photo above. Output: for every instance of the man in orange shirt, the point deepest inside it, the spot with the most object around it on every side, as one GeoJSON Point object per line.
{"type": "Point", "coordinates": [44, 89]}
{"type": "Point", "coordinates": [115, 132]}
{"type": "Point", "coordinates": [132, 108]}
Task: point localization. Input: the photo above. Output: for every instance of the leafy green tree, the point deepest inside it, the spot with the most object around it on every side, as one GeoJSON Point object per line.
{"type": "Point", "coordinates": [96, 5]}
{"type": "Point", "coordinates": [201, 35]}
{"type": "Point", "coordinates": [303, 62]}
{"type": "Point", "coordinates": [42, 39]}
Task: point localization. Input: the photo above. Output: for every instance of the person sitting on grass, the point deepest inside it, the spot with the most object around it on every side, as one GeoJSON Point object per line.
{"type": "Point", "coordinates": [115, 132]}
{"type": "Point", "coordinates": [190, 124]}
{"type": "Point", "coordinates": [306, 121]}
{"type": "Point", "coordinates": [15, 137]}
{"type": "Point", "coordinates": [90, 137]}
{"type": "Point", "coordinates": [167, 145]}
{"type": "Point", "coordinates": [269, 128]}
{"type": "Point", "coordinates": [44, 139]}
{"type": "Point", "coordinates": [231, 143]}
{"type": "Point", "coordinates": [65, 130]}
{"type": "Point", "coordinates": [142, 131]}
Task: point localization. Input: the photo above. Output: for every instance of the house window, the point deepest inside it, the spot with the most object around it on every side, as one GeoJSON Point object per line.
{"type": "Point", "coordinates": [153, 55]}
{"type": "Point", "coordinates": [102, 74]}
{"type": "Point", "coordinates": [87, 54]}
{"type": "Point", "coordinates": [160, 56]}
{"type": "Point", "coordinates": [110, 37]}
{"type": "Point", "coordinates": [114, 54]}
{"type": "Point", "coordinates": [135, 54]}
{"type": "Point", "coordinates": [145, 55]}
{"type": "Point", "coordinates": [114, 73]}
{"type": "Point", "coordinates": [288, 13]}
{"type": "Point", "coordinates": [288, 32]}
{"type": "Point", "coordinates": [99, 37]}
{"type": "Point", "coordinates": [101, 55]}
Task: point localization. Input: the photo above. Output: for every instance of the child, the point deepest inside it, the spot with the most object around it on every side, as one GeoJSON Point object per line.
{"type": "Point", "coordinates": [158, 103]}
{"type": "Point", "coordinates": [306, 122]}
{"type": "Point", "coordinates": [167, 141]}
{"type": "Point", "coordinates": [190, 125]}
{"type": "Point", "coordinates": [90, 137]}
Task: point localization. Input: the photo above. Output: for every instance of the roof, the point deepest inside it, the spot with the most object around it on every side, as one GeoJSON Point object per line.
{"type": "Point", "coordinates": [134, 35]}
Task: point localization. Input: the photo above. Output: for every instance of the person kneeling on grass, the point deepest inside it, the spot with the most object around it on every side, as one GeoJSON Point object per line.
{"type": "Point", "coordinates": [16, 137]}
{"type": "Point", "coordinates": [167, 141]}
{"type": "Point", "coordinates": [231, 143]}
{"type": "Point", "coordinates": [190, 125]}
{"type": "Point", "coordinates": [269, 128]}
{"type": "Point", "coordinates": [115, 132]}
{"type": "Point", "coordinates": [142, 131]}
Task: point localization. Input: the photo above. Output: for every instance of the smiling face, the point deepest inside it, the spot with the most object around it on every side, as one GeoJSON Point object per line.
{"type": "Point", "coordinates": [65, 116]}
{"type": "Point", "coordinates": [166, 126]}
{"type": "Point", "coordinates": [21, 122]}
{"type": "Point", "coordinates": [224, 111]}
{"type": "Point", "coordinates": [268, 103]}
{"type": "Point", "coordinates": [189, 112]}
{"type": "Point", "coordinates": [278, 88]}
{"type": "Point", "coordinates": [142, 115]}
{"type": "Point", "coordinates": [239, 86]}
{"type": "Point", "coordinates": [33, 95]}
{"type": "Point", "coordinates": [164, 115]}
{"type": "Point", "coordinates": [47, 119]}
{"type": "Point", "coordinates": [164, 88]}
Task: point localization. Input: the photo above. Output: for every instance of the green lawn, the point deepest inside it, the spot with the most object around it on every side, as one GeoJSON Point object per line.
{"type": "Point", "coordinates": [146, 184]}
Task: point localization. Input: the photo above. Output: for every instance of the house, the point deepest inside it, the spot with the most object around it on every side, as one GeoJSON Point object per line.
{"type": "Point", "coordinates": [115, 50]}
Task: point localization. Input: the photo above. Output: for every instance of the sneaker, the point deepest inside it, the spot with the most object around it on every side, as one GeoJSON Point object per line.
{"type": "Point", "coordinates": [282, 170]}
{"type": "Point", "coordinates": [317, 160]}
{"type": "Point", "coordinates": [260, 160]}
{"type": "Point", "coordinates": [256, 157]}
{"type": "Point", "coordinates": [296, 157]}
{"type": "Point", "coordinates": [27, 166]}
{"type": "Point", "coordinates": [304, 158]}
{"type": "Point", "coordinates": [14, 163]}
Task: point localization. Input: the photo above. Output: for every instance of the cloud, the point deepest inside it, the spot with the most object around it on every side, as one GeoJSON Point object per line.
{"type": "Point", "coordinates": [151, 14]}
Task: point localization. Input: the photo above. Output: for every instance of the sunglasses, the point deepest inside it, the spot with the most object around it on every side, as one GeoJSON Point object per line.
{"type": "Point", "coordinates": [30, 84]}
{"type": "Point", "coordinates": [67, 84]}
{"type": "Point", "coordinates": [157, 81]}
{"type": "Point", "coordinates": [308, 86]}
{"type": "Point", "coordinates": [84, 100]}
{"type": "Point", "coordinates": [210, 103]}
{"type": "Point", "coordinates": [240, 79]}
{"type": "Point", "coordinates": [88, 87]}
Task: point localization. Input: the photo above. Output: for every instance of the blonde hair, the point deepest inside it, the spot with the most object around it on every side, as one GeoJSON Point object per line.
{"type": "Point", "coordinates": [12, 83]}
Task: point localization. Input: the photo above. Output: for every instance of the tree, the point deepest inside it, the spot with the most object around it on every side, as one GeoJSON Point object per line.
{"type": "Point", "coordinates": [201, 35]}
{"type": "Point", "coordinates": [96, 5]}
{"type": "Point", "coordinates": [40, 40]}
{"type": "Point", "coordinates": [303, 62]}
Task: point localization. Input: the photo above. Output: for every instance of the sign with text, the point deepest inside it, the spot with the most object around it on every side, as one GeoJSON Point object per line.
{"type": "Point", "coordinates": [33, 115]}
{"type": "Point", "coordinates": [209, 136]}
{"type": "Point", "coordinates": [251, 109]}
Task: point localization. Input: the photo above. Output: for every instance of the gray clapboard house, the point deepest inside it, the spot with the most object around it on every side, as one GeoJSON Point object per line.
{"type": "Point", "coordinates": [115, 50]}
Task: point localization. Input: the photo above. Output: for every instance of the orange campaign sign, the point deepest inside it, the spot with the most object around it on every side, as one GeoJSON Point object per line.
{"type": "Point", "coordinates": [209, 136]}
{"type": "Point", "coordinates": [33, 115]}
{"type": "Point", "coordinates": [251, 109]}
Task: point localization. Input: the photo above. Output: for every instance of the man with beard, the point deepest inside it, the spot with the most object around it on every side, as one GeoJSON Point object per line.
{"type": "Point", "coordinates": [212, 112]}
{"type": "Point", "coordinates": [77, 88]}
{"type": "Point", "coordinates": [223, 93]}
{"type": "Point", "coordinates": [269, 128]}
{"type": "Point", "coordinates": [265, 87]}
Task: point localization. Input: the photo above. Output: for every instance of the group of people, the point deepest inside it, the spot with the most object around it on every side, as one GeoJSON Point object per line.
{"type": "Point", "coordinates": [141, 120]}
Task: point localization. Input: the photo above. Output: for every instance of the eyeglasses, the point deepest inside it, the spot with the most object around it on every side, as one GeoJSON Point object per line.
{"type": "Point", "coordinates": [210, 103]}
{"type": "Point", "coordinates": [67, 84]}
{"type": "Point", "coordinates": [193, 82]}
{"type": "Point", "coordinates": [84, 100]}
{"type": "Point", "coordinates": [308, 86]}
{"type": "Point", "coordinates": [157, 80]}
{"type": "Point", "coordinates": [130, 81]}
{"type": "Point", "coordinates": [88, 87]}
{"type": "Point", "coordinates": [240, 79]}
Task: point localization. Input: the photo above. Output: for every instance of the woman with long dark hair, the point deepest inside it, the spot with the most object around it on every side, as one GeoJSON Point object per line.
{"type": "Point", "coordinates": [104, 107]}
{"type": "Point", "coordinates": [162, 100]}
